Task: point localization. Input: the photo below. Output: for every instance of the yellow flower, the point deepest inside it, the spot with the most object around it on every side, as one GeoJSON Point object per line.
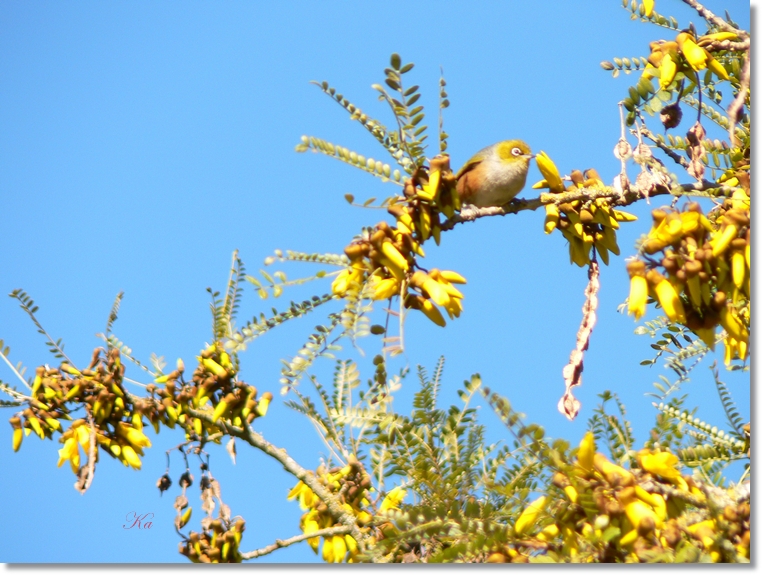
{"type": "Point", "coordinates": [668, 296]}
{"type": "Point", "coordinates": [310, 526]}
{"type": "Point", "coordinates": [339, 548]}
{"type": "Point", "coordinates": [530, 515]}
{"type": "Point", "coordinates": [328, 550]}
{"type": "Point", "coordinates": [385, 288]}
{"type": "Point", "coordinates": [667, 70]}
{"type": "Point", "coordinates": [661, 464]}
{"type": "Point", "coordinates": [69, 451]}
{"type": "Point", "coordinates": [550, 173]}
{"type": "Point", "coordinates": [130, 457]}
{"type": "Point", "coordinates": [393, 499]}
{"type": "Point", "coordinates": [586, 451]}
{"type": "Point", "coordinates": [636, 303]}
{"type": "Point", "coordinates": [648, 6]}
{"type": "Point", "coordinates": [348, 279]}
{"type": "Point", "coordinates": [694, 54]}
{"type": "Point", "coordinates": [306, 497]}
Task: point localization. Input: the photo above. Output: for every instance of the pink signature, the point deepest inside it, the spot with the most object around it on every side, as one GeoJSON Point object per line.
{"type": "Point", "coordinates": [139, 521]}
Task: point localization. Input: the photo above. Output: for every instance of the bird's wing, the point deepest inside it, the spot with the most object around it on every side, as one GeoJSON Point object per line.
{"type": "Point", "coordinates": [470, 164]}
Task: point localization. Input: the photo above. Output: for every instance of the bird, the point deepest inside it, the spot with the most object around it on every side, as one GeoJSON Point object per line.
{"type": "Point", "coordinates": [495, 175]}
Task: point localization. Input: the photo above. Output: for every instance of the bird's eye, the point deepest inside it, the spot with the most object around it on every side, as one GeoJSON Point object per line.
{"type": "Point", "coordinates": [516, 152]}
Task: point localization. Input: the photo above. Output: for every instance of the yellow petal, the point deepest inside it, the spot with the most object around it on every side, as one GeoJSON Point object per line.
{"type": "Point", "coordinates": [667, 71]}
{"type": "Point", "coordinates": [530, 515]}
{"type": "Point", "coordinates": [636, 304]}
{"type": "Point", "coordinates": [393, 499]}
{"type": "Point", "coordinates": [550, 172]}
{"type": "Point", "coordinates": [661, 464]}
{"type": "Point", "coordinates": [694, 54]}
{"type": "Point", "coordinates": [586, 451]}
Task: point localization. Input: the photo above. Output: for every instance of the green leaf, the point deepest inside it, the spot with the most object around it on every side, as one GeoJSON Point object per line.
{"type": "Point", "coordinates": [610, 533]}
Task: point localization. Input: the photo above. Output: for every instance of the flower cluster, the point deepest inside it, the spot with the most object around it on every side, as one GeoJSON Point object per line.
{"type": "Point", "coordinates": [213, 387]}
{"type": "Point", "coordinates": [114, 419]}
{"type": "Point", "coordinates": [587, 225]}
{"type": "Point", "coordinates": [613, 513]}
{"type": "Point", "coordinates": [385, 256]}
{"type": "Point", "coordinates": [702, 278]}
{"type": "Point", "coordinates": [686, 55]}
{"type": "Point", "coordinates": [350, 484]}
{"type": "Point", "coordinates": [218, 544]}
{"type": "Point", "coordinates": [114, 423]}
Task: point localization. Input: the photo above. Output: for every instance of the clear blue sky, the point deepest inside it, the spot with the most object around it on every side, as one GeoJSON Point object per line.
{"type": "Point", "coordinates": [142, 143]}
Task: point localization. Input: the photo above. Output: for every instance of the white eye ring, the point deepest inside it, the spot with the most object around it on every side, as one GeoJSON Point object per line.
{"type": "Point", "coordinates": [516, 152]}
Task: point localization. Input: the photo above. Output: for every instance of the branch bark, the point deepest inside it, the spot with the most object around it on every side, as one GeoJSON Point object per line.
{"type": "Point", "coordinates": [716, 20]}
{"type": "Point", "coordinates": [619, 199]}
{"type": "Point", "coordinates": [736, 106]}
{"type": "Point", "coordinates": [279, 543]}
{"type": "Point", "coordinates": [289, 464]}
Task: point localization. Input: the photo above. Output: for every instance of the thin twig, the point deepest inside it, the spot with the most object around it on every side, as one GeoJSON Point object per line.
{"type": "Point", "coordinates": [736, 106]}
{"type": "Point", "coordinates": [712, 19]}
{"type": "Point", "coordinates": [13, 368]}
{"type": "Point", "coordinates": [663, 147]}
{"type": "Point", "coordinates": [90, 456]}
{"type": "Point", "coordinates": [279, 454]}
{"type": "Point", "coordinates": [279, 543]}
{"type": "Point", "coordinates": [13, 393]}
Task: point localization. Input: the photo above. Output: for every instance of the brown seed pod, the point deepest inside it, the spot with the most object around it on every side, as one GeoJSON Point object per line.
{"type": "Point", "coordinates": [658, 215]}
{"type": "Point", "coordinates": [440, 162]}
{"type": "Point", "coordinates": [671, 115]}
{"type": "Point", "coordinates": [692, 267]}
{"type": "Point", "coordinates": [738, 244]}
{"type": "Point", "coordinates": [636, 268]}
{"type": "Point", "coordinates": [670, 264]}
{"type": "Point", "coordinates": [652, 245]}
{"type": "Point", "coordinates": [577, 178]}
{"type": "Point", "coordinates": [560, 480]}
{"type": "Point", "coordinates": [718, 300]}
{"type": "Point", "coordinates": [354, 251]}
{"type": "Point", "coordinates": [613, 508]}
{"type": "Point", "coordinates": [646, 526]}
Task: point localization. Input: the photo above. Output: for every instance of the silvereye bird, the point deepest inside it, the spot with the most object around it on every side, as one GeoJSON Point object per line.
{"type": "Point", "coordinates": [495, 174]}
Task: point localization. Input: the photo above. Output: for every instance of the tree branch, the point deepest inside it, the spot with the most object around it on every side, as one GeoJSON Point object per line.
{"type": "Point", "coordinates": [13, 393]}
{"type": "Point", "coordinates": [676, 493]}
{"type": "Point", "coordinates": [712, 19]}
{"type": "Point", "coordinates": [289, 464]}
{"type": "Point", "coordinates": [279, 543]}
{"type": "Point", "coordinates": [472, 213]}
{"type": "Point", "coordinates": [736, 106]}
{"type": "Point", "coordinates": [663, 147]}
{"type": "Point", "coordinates": [716, 46]}
{"type": "Point", "coordinates": [15, 371]}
